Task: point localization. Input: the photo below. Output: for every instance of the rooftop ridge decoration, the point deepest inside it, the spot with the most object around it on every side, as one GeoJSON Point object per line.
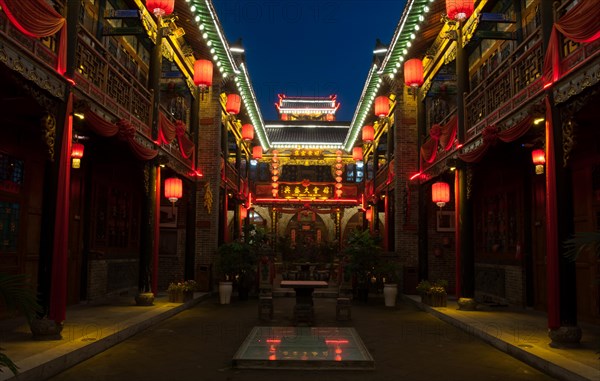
{"type": "Point", "coordinates": [209, 25]}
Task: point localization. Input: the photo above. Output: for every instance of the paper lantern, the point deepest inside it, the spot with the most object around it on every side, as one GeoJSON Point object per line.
{"type": "Point", "coordinates": [368, 134]}
{"type": "Point", "coordinates": [338, 172]}
{"type": "Point", "coordinates": [382, 106]}
{"type": "Point", "coordinates": [274, 192]}
{"type": "Point", "coordinates": [233, 104]}
{"type": "Point", "coordinates": [257, 152]}
{"type": "Point", "coordinates": [338, 185]}
{"type": "Point", "coordinates": [539, 159]}
{"type": "Point", "coordinates": [357, 153]}
{"type": "Point", "coordinates": [274, 178]}
{"type": "Point", "coordinates": [203, 73]}
{"type": "Point", "coordinates": [329, 117]}
{"type": "Point", "coordinates": [459, 10]}
{"type": "Point", "coordinates": [275, 172]}
{"type": "Point", "coordinates": [413, 72]}
{"type": "Point", "coordinates": [369, 214]}
{"type": "Point", "coordinates": [440, 193]}
{"type": "Point", "coordinates": [338, 179]}
{"type": "Point", "coordinates": [243, 213]}
{"type": "Point", "coordinates": [248, 132]}
{"type": "Point", "coordinates": [160, 7]}
{"type": "Point", "coordinates": [76, 154]}
{"type": "Point", "coordinates": [173, 189]}
{"type": "Point", "coordinates": [338, 193]}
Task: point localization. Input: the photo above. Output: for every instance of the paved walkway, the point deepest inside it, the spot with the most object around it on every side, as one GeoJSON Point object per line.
{"type": "Point", "coordinates": [90, 329]}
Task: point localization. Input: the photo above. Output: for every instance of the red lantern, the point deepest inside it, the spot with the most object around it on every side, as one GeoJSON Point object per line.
{"type": "Point", "coordinates": [160, 7]}
{"type": "Point", "coordinates": [338, 172]}
{"type": "Point", "coordinates": [284, 116]}
{"type": "Point", "coordinates": [382, 106]}
{"type": "Point", "coordinates": [274, 192]}
{"type": "Point", "coordinates": [275, 185]}
{"type": "Point", "coordinates": [459, 10]}
{"type": "Point", "coordinates": [275, 172]}
{"type": "Point", "coordinates": [173, 189]}
{"type": "Point", "coordinates": [338, 179]}
{"type": "Point", "coordinates": [338, 193]}
{"type": "Point", "coordinates": [329, 117]}
{"type": "Point", "coordinates": [247, 132]}
{"type": "Point", "coordinates": [274, 178]}
{"type": "Point", "coordinates": [539, 159]}
{"type": "Point", "coordinates": [369, 214]}
{"type": "Point", "coordinates": [338, 185]}
{"type": "Point", "coordinates": [234, 102]}
{"type": "Point", "coordinates": [203, 73]}
{"type": "Point", "coordinates": [76, 154]}
{"type": "Point", "coordinates": [243, 212]}
{"type": "Point", "coordinates": [440, 193]}
{"type": "Point", "coordinates": [257, 152]}
{"type": "Point", "coordinates": [368, 134]}
{"type": "Point", "coordinates": [357, 153]}
{"type": "Point", "coordinates": [413, 72]}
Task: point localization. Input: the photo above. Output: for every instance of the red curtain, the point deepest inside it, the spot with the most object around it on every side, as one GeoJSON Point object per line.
{"type": "Point", "coordinates": [58, 288]}
{"type": "Point", "coordinates": [429, 150]}
{"type": "Point", "coordinates": [37, 19]}
{"type": "Point", "coordinates": [166, 129]}
{"type": "Point", "coordinates": [580, 24]}
{"type": "Point", "coordinates": [448, 133]}
{"type": "Point", "coordinates": [123, 129]}
{"type": "Point", "coordinates": [186, 146]}
{"type": "Point", "coordinates": [491, 135]}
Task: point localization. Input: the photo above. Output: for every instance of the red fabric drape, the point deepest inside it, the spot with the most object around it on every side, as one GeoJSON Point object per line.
{"type": "Point", "coordinates": [166, 129]}
{"type": "Point", "coordinates": [491, 135]}
{"type": "Point", "coordinates": [123, 129]}
{"type": "Point", "coordinates": [186, 146]}
{"type": "Point", "coordinates": [37, 19]}
{"type": "Point", "coordinates": [58, 288]}
{"type": "Point", "coordinates": [448, 133]}
{"type": "Point", "coordinates": [580, 24]}
{"type": "Point", "coordinates": [429, 150]}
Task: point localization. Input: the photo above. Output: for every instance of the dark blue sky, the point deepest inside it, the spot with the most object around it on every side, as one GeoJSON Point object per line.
{"type": "Point", "coordinates": [309, 47]}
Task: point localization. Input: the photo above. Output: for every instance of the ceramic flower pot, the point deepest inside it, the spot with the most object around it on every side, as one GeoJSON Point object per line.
{"type": "Point", "coordinates": [390, 292]}
{"type": "Point", "coordinates": [225, 289]}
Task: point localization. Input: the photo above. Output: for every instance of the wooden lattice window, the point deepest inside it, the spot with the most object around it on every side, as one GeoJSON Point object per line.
{"type": "Point", "coordinates": [9, 226]}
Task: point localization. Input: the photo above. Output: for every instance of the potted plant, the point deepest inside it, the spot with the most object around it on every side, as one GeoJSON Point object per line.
{"type": "Point", "coordinates": [15, 295]}
{"type": "Point", "coordinates": [388, 273]}
{"type": "Point", "coordinates": [362, 253]}
{"type": "Point", "coordinates": [235, 262]}
{"type": "Point", "coordinates": [180, 292]}
{"type": "Point", "coordinates": [433, 293]}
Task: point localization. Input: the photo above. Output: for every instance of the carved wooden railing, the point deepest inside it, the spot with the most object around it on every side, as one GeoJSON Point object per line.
{"type": "Point", "coordinates": [514, 81]}
{"type": "Point", "coordinates": [103, 78]}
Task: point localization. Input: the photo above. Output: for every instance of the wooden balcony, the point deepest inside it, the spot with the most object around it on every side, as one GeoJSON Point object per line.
{"type": "Point", "coordinates": [101, 77]}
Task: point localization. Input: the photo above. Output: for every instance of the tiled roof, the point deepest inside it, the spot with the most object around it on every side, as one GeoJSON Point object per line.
{"type": "Point", "coordinates": [326, 104]}
{"type": "Point", "coordinates": [307, 132]}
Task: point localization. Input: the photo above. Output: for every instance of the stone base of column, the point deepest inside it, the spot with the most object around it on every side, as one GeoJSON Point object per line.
{"type": "Point", "coordinates": [467, 304]}
{"type": "Point", "coordinates": [565, 337]}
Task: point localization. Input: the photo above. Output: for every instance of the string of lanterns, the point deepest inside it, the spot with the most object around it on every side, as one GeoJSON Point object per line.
{"type": "Point", "coordinates": [338, 174]}
{"type": "Point", "coordinates": [275, 174]}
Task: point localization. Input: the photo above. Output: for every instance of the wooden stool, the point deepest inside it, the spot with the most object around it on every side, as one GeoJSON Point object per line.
{"type": "Point", "coordinates": [265, 307]}
{"type": "Point", "coordinates": [343, 309]}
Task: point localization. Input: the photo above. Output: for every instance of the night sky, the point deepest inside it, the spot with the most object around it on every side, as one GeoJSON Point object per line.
{"type": "Point", "coordinates": [309, 47]}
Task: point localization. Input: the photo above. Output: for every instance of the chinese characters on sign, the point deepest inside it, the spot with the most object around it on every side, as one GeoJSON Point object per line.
{"type": "Point", "coordinates": [306, 154]}
{"type": "Point", "coordinates": [312, 191]}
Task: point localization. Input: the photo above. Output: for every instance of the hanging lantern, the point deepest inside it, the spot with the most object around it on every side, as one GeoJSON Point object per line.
{"type": "Point", "coordinates": [539, 159]}
{"type": "Point", "coordinates": [257, 152]}
{"type": "Point", "coordinates": [338, 179]}
{"type": "Point", "coordinates": [173, 189]}
{"type": "Point", "coordinates": [369, 214]}
{"type": "Point", "coordinates": [413, 72]}
{"type": "Point", "coordinates": [275, 165]}
{"type": "Point", "coordinates": [203, 73]}
{"type": "Point", "coordinates": [338, 172]}
{"type": "Point", "coordinates": [275, 185]}
{"type": "Point", "coordinates": [284, 116]}
{"type": "Point", "coordinates": [338, 193]}
{"type": "Point", "coordinates": [368, 133]}
{"type": "Point", "coordinates": [274, 178]}
{"type": "Point", "coordinates": [233, 104]}
{"type": "Point", "coordinates": [160, 7]}
{"type": "Point", "coordinates": [274, 192]}
{"type": "Point", "coordinates": [382, 106]}
{"type": "Point", "coordinates": [357, 153]}
{"type": "Point", "coordinates": [338, 185]}
{"type": "Point", "coordinates": [459, 10]}
{"type": "Point", "coordinates": [440, 193]}
{"type": "Point", "coordinates": [338, 166]}
{"type": "Point", "coordinates": [76, 154]}
{"type": "Point", "coordinates": [243, 212]}
{"type": "Point", "coordinates": [275, 172]}
{"type": "Point", "coordinates": [248, 132]}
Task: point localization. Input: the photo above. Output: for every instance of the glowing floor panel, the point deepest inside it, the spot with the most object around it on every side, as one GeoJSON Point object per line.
{"type": "Point", "coordinates": [303, 347]}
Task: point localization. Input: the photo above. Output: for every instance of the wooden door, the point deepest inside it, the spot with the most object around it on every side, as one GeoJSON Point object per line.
{"type": "Point", "coordinates": [538, 244]}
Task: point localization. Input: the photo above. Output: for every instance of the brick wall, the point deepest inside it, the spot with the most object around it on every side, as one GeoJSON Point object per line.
{"type": "Point", "coordinates": [209, 161]}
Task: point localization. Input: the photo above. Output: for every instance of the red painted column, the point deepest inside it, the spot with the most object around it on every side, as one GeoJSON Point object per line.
{"type": "Point", "coordinates": [457, 232]}
{"type": "Point", "coordinates": [58, 289]}
{"type": "Point", "coordinates": [552, 260]}
{"type": "Point", "coordinates": [156, 234]}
